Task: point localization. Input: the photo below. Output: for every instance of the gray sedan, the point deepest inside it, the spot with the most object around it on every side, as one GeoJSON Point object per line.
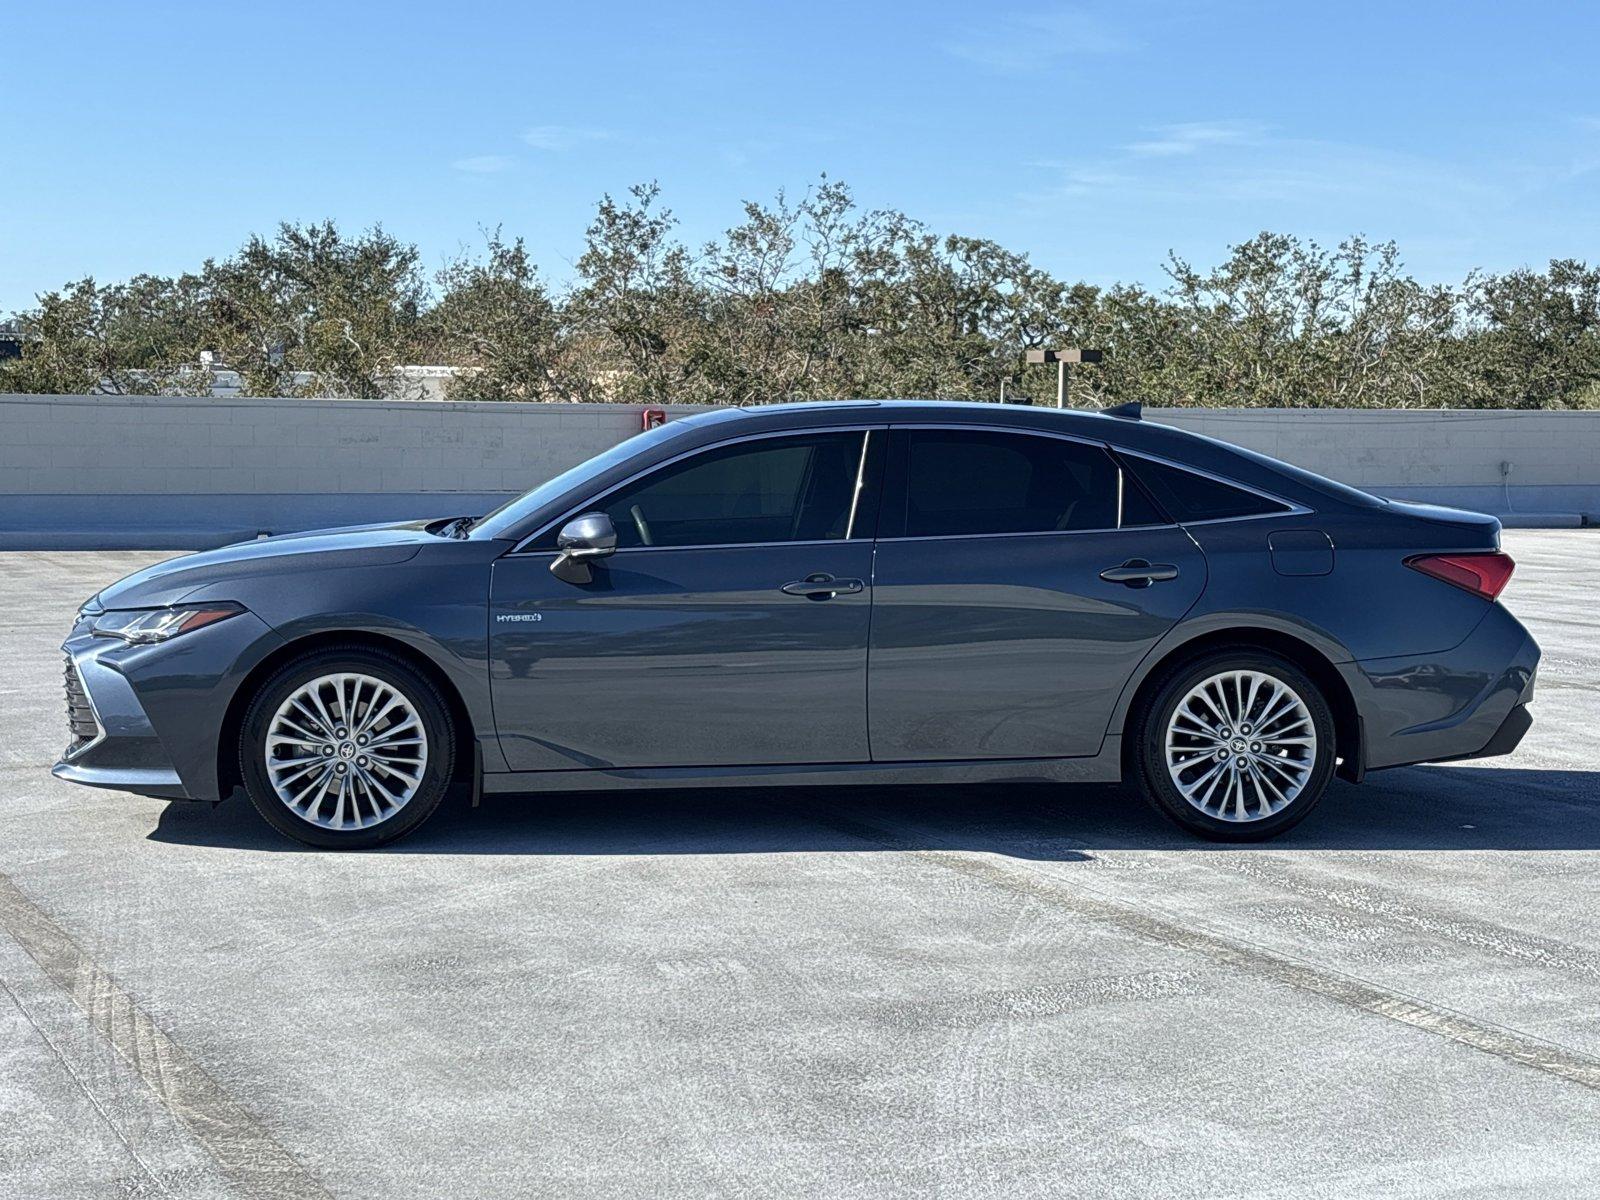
{"type": "Point", "coordinates": [895, 592]}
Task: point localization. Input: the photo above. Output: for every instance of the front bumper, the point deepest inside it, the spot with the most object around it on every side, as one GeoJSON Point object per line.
{"type": "Point", "coordinates": [158, 710]}
{"type": "Point", "coordinates": [1468, 702]}
{"type": "Point", "coordinates": [162, 782]}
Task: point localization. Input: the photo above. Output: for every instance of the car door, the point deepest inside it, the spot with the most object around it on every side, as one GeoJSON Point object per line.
{"type": "Point", "coordinates": [1020, 578]}
{"type": "Point", "coordinates": [729, 627]}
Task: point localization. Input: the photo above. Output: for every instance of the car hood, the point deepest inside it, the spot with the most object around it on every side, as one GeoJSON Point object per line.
{"type": "Point", "coordinates": [320, 549]}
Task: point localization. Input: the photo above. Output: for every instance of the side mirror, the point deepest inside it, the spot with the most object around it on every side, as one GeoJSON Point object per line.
{"type": "Point", "coordinates": [581, 541]}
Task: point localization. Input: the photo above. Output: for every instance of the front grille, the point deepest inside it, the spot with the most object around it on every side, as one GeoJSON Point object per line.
{"type": "Point", "coordinates": [80, 713]}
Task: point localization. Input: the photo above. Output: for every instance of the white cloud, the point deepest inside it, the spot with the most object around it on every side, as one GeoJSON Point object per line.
{"type": "Point", "coordinates": [1266, 180]}
{"type": "Point", "coordinates": [1190, 137]}
{"type": "Point", "coordinates": [1024, 42]}
{"type": "Point", "coordinates": [1081, 181]}
{"type": "Point", "coordinates": [563, 137]}
{"type": "Point", "coordinates": [482, 164]}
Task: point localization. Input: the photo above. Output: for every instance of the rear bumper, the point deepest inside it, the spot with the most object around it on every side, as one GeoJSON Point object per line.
{"type": "Point", "coordinates": [1469, 702]}
{"type": "Point", "coordinates": [1509, 736]}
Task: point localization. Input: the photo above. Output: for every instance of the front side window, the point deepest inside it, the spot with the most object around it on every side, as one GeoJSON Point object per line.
{"type": "Point", "coordinates": [784, 489]}
{"type": "Point", "coordinates": [959, 481]}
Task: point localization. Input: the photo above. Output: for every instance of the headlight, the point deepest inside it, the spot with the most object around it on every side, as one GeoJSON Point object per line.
{"type": "Point", "coordinates": [141, 626]}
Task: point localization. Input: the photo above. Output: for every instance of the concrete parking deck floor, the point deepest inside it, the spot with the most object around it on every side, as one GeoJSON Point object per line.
{"type": "Point", "coordinates": [997, 992]}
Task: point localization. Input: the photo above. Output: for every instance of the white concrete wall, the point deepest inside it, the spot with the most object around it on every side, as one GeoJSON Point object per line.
{"type": "Point", "coordinates": [160, 471]}
{"type": "Point", "coordinates": [182, 472]}
{"type": "Point", "coordinates": [1450, 456]}
{"type": "Point", "coordinates": [144, 445]}
{"type": "Point", "coordinates": [1445, 448]}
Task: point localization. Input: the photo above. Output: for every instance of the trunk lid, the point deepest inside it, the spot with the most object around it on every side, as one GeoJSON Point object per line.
{"type": "Point", "coordinates": [1480, 529]}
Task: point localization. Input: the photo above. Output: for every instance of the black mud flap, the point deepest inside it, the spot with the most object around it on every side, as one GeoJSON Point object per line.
{"type": "Point", "coordinates": [1506, 739]}
{"type": "Point", "coordinates": [1352, 768]}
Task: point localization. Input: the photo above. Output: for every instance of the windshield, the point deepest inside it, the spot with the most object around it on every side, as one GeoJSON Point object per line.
{"type": "Point", "coordinates": [518, 508]}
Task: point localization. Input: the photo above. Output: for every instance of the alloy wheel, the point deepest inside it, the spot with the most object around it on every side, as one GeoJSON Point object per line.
{"type": "Point", "coordinates": [346, 751]}
{"type": "Point", "coordinates": [1241, 745]}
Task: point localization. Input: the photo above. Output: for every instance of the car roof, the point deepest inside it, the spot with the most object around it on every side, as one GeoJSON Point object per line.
{"type": "Point", "coordinates": [1123, 431]}
{"type": "Point", "coordinates": [809, 412]}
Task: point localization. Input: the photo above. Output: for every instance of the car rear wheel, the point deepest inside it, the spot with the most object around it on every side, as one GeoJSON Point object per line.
{"type": "Point", "coordinates": [1236, 746]}
{"type": "Point", "coordinates": [347, 748]}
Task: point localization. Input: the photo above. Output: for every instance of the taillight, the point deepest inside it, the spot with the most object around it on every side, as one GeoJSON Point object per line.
{"type": "Point", "coordinates": [1483, 574]}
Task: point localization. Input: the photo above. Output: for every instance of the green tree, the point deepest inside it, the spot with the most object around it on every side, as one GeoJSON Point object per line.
{"type": "Point", "coordinates": [495, 320]}
{"type": "Point", "coordinates": [1287, 323]}
{"type": "Point", "coordinates": [1536, 337]}
{"type": "Point", "coordinates": [136, 338]}
{"type": "Point", "coordinates": [637, 315]}
{"type": "Point", "coordinates": [811, 297]}
{"type": "Point", "coordinates": [312, 312]}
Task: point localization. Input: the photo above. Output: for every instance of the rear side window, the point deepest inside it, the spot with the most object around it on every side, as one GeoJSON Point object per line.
{"type": "Point", "coordinates": [1191, 497]}
{"type": "Point", "coordinates": [954, 481]}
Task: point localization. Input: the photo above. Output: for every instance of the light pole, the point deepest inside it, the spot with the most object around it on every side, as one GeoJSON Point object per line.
{"type": "Point", "coordinates": [1067, 354]}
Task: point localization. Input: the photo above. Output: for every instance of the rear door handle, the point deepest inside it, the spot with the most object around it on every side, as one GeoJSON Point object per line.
{"type": "Point", "coordinates": [822, 586]}
{"type": "Point", "coordinates": [1138, 573]}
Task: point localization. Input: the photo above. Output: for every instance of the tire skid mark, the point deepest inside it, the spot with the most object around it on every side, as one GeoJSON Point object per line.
{"type": "Point", "coordinates": [1350, 991]}
{"type": "Point", "coordinates": [982, 1009]}
{"type": "Point", "coordinates": [244, 1150]}
{"type": "Point", "coordinates": [90, 1094]}
{"type": "Point", "coordinates": [1524, 948]}
{"type": "Point", "coordinates": [1378, 905]}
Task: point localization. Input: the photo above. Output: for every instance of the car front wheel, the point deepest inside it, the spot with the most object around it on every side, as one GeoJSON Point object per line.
{"type": "Point", "coordinates": [346, 748]}
{"type": "Point", "coordinates": [1236, 746]}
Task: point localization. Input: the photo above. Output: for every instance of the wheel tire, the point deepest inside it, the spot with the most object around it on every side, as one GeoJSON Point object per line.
{"type": "Point", "coordinates": [412, 688]}
{"type": "Point", "coordinates": [1260, 821]}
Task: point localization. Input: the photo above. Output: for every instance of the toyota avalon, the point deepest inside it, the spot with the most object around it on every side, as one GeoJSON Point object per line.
{"type": "Point", "coordinates": [895, 592]}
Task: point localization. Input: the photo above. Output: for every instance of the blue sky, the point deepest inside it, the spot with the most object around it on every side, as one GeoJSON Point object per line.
{"type": "Point", "coordinates": [1095, 137]}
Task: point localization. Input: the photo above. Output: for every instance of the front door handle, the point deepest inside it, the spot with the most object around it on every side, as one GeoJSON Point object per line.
{"type": "Point", "coordinates": [1137, 573]}
{"type": "Point", "coordinates": [821, 586]}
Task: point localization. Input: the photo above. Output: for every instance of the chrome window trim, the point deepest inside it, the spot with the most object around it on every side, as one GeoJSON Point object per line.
{"type": "Point", "coordinates": [620, 550]}
{"type": "Point", "coordinates": [1291, 508]}
{"type": "Point", "coordinates": [1294, 510]}
{"type": "Point", "coordinates": [865, 430]}
{"type": "Point", "coordinates": [861, 479]}
{"type": "Point", "coordinates": [1022, 533]}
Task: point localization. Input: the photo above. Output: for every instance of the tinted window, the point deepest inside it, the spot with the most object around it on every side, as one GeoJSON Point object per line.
{"type": "Point", "coordinates": [973, 481]}
{"type": "Point", "coordinates": [767, 490]}
{"type": "Point", "coordinates": [1137, 506]}
{"type": "Point", "coordinates": [1191, 497]}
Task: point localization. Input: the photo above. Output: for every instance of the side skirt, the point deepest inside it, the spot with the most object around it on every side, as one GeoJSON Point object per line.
{"type": "Point", "coordinates": [1105, 767]}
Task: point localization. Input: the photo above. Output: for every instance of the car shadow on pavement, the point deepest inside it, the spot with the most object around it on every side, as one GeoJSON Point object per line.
{"type": "Point", "coordinates": [1416, 808]}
